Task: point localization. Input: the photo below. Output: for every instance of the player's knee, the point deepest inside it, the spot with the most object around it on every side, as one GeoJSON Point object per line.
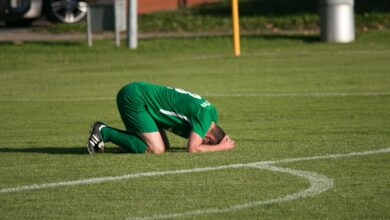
{"type": "Point", "coordinates": [157, 149]}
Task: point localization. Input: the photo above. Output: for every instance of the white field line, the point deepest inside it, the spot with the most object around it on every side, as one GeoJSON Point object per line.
{"type": "Point", "coordinates": [318, 184]}
{"type": "Point", "coordinates": [328, 156]}
{"type": "Point", "coordinates": [282, 94]}
{"type": "Point", "coordinates": [297, 94]}
{"type": "Point", "coordinates": [170, 172]}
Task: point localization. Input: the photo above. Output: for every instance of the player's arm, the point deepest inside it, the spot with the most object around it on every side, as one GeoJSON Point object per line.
{"type": "Point", "coordinates": [165, 139]}
{"type": "Point", "coordinates": [195, 144]}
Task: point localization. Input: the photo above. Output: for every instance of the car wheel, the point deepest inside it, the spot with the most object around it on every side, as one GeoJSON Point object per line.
{"type": "Point", "coordinates": [67, 11]}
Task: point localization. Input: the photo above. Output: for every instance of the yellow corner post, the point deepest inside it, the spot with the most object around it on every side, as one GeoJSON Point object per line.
{"type": "Point", "coordinates": [236, 28]}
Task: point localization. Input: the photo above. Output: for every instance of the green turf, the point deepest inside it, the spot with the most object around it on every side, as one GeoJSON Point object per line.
{"type": "Point", "coordinates": [285, 97]}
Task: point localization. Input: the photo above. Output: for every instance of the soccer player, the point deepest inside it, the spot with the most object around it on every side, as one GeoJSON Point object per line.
{"type": "Point", "coordinates": [147, 110]}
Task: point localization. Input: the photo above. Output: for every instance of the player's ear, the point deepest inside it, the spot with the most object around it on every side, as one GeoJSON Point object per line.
{"type": "Point", "coordinates": [208, 139]}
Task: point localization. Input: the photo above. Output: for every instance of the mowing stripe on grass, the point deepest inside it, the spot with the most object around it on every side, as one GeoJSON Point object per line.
{"type": "Point", "coordinates": [287, 94]}
{"type": "Point", "coordinates": [170, 172]}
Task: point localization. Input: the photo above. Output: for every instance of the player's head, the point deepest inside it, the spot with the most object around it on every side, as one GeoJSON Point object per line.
{"type": "Point", "coordinates": [214, 135]}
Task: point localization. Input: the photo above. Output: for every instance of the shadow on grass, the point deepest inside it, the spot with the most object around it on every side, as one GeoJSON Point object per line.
{"type": "Point", "coordinates": [7, 43]}
{"type": "Point", "coordinates": [72, 150]}
{"type": "Point", "coordinates": [177, 150]}
{"type": "Point", "coordinates": [294, 37]}
{"type": "Point", "coordinates": [43, 43]}
{"type": "Point", "coordinates": [53, 150]}
{"type": "Point", "coordinates": [307, 38]}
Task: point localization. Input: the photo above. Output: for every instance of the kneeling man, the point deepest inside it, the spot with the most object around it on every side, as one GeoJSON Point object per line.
{"type": "Point", "coordinates": [148, 110]}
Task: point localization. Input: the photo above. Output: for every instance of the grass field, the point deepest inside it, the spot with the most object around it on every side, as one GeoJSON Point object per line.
{"type": "Point", "coordinates": [285, 97]}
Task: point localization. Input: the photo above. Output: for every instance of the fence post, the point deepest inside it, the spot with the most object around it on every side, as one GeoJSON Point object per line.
{"type": "Point", "coordinates": [132, 35]}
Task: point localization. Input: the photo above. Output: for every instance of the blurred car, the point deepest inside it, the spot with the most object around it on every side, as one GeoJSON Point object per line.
{"type": "Point", "coordinates": [23, 12]}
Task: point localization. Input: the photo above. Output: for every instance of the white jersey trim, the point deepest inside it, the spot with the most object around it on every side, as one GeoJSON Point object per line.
{"type": "Point", "coordinates": [165, 112]}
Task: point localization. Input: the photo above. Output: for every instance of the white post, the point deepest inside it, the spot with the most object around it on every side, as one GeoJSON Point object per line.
{"type": "Point", "coordinates": [89, 28]}
{"type": "Point", "coordinates": [337, 21]}
{"type": "Point", "coordinates": [117, 23]}
{"type": "Point", "coordinates": [132, 24]}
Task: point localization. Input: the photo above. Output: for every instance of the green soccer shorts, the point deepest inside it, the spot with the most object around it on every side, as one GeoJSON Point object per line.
{"type": "Point", "coordinates": [133, 111]}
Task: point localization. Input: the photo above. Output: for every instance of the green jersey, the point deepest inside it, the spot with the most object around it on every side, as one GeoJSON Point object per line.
{"type": "Point", "coordinates": [173, 109]}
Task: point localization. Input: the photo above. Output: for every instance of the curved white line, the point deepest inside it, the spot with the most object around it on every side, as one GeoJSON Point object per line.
{"type": "Point", "coordinates": [318, 184]}
{"type": "Point", "coordinates": [170, 172]}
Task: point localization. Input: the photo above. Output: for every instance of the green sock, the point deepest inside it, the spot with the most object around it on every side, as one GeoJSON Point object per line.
{"type": "Point", "coordinates": [128, 141]}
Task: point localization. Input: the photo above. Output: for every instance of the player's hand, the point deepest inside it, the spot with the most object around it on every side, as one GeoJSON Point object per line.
{"type": "Point", "coordinates": [227, 143]}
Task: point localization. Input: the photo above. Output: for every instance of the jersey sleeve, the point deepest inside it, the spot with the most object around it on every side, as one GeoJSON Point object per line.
{"type": "Point", "coordinates": [201, 122]}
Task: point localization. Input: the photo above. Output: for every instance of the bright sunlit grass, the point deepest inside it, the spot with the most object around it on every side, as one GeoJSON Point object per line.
{"type": "Point", "coordinates": [285, 97]}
